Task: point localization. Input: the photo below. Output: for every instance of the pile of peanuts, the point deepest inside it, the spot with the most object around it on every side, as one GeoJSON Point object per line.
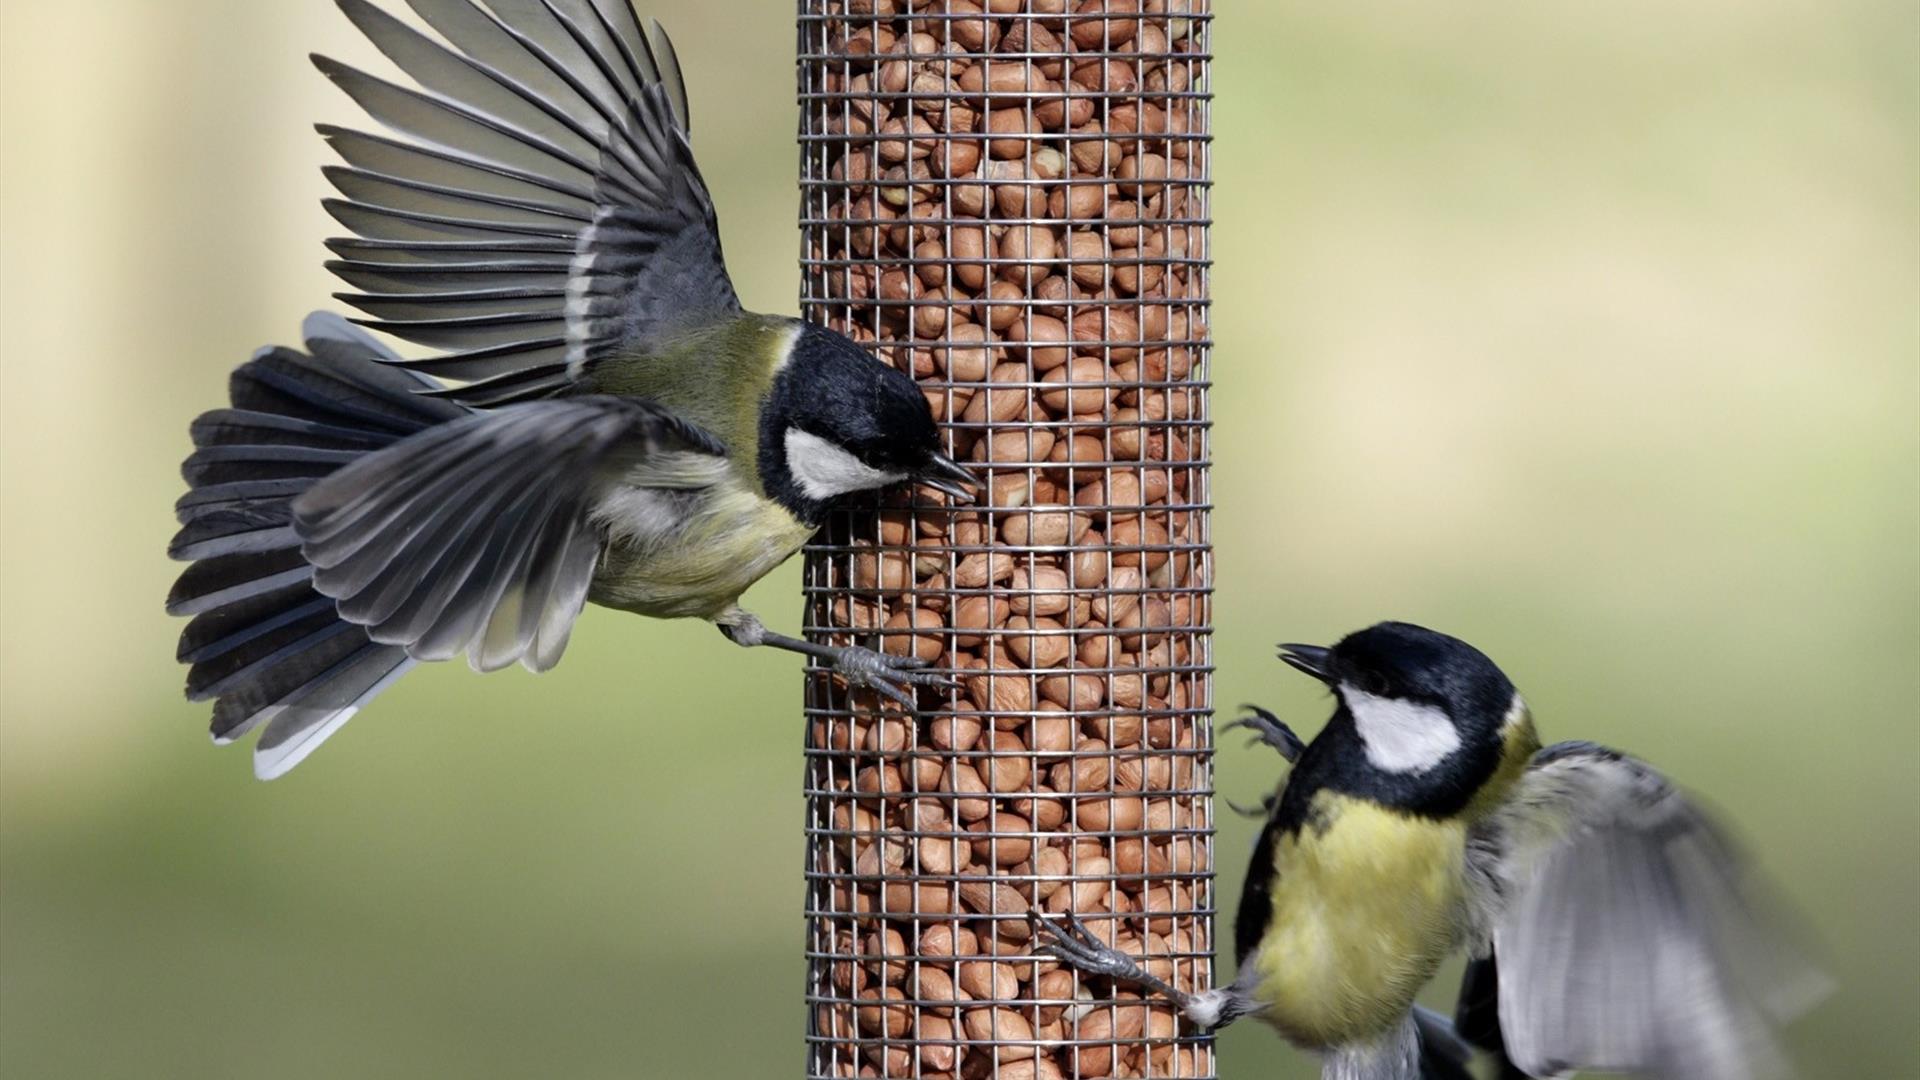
{"type": "Point", "coordinates": [1006, 199]}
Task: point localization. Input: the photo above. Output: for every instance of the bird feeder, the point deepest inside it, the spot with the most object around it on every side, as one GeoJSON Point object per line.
{"type": "Point", "coordinates": [1007, 199]}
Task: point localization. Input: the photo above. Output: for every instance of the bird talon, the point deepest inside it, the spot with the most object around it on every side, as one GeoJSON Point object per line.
{"type": "Point", "coordinates": [1084, 936]}
{"type": "Point", "coordinates": [893, 677]}
{"type": "Point", "coordinates": [1077, 947]}
{"type": "Point", "coordinates": [1270, 730]}
{"type": "Point", "coordinates": [1255, 812]}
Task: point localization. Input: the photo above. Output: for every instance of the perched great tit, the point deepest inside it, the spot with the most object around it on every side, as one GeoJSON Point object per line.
{"type": "Point", "coordinates": [1611, 925]}
{"type": "Point", "coordinates": [617, 429]}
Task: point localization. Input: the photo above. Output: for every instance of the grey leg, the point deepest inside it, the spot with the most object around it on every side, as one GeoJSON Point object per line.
{"type": "Point", "coordinates": [894, 676]}
{"type": "Point", "coordinates": [1268, 728]}
{"type": "Point", "coordinates": [1075, 946]}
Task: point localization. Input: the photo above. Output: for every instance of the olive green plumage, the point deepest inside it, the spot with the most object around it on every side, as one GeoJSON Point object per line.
{"type": "Point", "coordinates": [731, 535]}
{"type": "Point", "coordinates": [717, 376]}
{"type": "Point", "coordinates": [599, 420]}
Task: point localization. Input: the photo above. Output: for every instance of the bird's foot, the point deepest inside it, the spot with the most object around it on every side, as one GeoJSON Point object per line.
{"type": "Point", "coordinates": [893, 676]}
{"type": "Point", "coordinates": [1075, 946]}
{"type": "Point", "coordinates": [1257, 813]}
{"type": "Point", "coordinates": [1271, 730]}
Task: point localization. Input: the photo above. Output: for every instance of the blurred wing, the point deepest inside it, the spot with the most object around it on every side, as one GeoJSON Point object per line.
{"type": "Point", "coordinates": [541, 210]}
{"type": "Point", "coordinates": [1633, 938]}
{"type": "Point", "coordinates": [477, 536]}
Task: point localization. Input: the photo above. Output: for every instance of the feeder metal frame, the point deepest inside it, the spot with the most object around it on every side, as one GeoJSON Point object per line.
{"type": "Point", "coordinates": [843, 289]}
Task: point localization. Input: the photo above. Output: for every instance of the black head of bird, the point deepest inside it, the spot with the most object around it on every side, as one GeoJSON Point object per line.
{"type": "Point", "coordinates": [1422, 718]}
{"type": "Point", "coordinates": [836, 423]}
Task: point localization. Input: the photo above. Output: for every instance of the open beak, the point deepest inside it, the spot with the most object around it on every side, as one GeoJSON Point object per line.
{"type": "Point", "coordinates": [1311, 659]}
{"type": "Point", "coordinates": [942, 473]}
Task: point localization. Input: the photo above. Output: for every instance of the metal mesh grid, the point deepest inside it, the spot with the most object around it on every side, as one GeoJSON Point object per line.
{"type": "Point", "coordinates": [1008, 199]}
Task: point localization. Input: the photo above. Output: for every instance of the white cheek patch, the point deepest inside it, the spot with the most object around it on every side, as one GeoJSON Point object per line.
{"type": "Point", "coordinates": [1401, 736]}
{"type": "Point", "coordinates": [824, 470]}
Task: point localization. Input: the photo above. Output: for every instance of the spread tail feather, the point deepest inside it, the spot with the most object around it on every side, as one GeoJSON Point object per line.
{"type": "Point", "coordinates": [262, 643]}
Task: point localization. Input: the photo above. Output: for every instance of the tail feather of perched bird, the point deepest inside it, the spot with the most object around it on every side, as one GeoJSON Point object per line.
{"type": "Point", "coordinates": [1611, 925]}
{"type": "Point", "coordinates": [263, 642]}
{"type": "Point", "coordinates": [613, 427]}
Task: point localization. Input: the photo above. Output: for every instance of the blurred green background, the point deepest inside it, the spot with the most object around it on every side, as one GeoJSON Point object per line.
{"type": "Point", "coordinates": [1590, 333]}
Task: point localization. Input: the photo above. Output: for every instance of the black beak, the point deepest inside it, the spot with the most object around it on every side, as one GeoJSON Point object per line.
{"type": "Point", "coordinates": [942, 473]}
{"type": "Point", "coordinates": [1311, 659]}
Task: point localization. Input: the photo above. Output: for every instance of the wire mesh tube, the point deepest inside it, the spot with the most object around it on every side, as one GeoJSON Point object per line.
{"type": "Point", "coordinates": [1008, 199]}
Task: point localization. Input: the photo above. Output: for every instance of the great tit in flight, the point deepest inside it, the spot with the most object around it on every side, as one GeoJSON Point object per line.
{"type": "Point", "coordinates": [617, 428]}
{"type": "Point", "coordinates": [1610, 925]}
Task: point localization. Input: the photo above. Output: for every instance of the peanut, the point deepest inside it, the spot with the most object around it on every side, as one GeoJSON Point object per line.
{"type": "Point", "coordinates": [1009, 203]}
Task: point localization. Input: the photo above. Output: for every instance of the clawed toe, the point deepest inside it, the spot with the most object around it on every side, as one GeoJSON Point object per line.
{"type": "Point", "coordinates": [911, 669]}
{"type": "Point", "coordinates": [1271, 730]}
{"type": "Point", "coordinates": [890, 690]}
{"type": "Point", "coordinates": [1076, 946]}
{"type": "Point", "coordinates": [1255, 812]}
{"type": "Point", "coordinates": [894, 677]}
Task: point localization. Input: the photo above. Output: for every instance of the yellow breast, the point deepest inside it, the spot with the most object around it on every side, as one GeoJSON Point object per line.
{"type": "Point", "coordinates": [1366, 905]}
{"type": "Point", "coordinates": [698, 569]}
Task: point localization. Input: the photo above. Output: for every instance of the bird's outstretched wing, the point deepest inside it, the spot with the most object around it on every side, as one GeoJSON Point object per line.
{"type": "Point", "coordinates": [477, 536]}
{"type": "Point", "coordinates": [540, 209]}
{"type": "Point", "coordinates": [1631, 937]}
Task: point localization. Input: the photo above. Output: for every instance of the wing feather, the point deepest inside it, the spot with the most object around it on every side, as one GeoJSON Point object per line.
{"type": "Point", "coordinates": [460, 128]}
{"type": "Point", "coordinates": [541, 209]}
{"type": "Point", "coordinates": [476, 535]}
{"type": "Point", "coordinates": [1630, 934]}
{"type": "Point", "coordinates": [379, 189]}
{"type": "Point", "coordinates": [439, 168]}
{"type": "Point", "coordinates": [411, 279]}
{"type": "Point", "coordinates": [480, 88]}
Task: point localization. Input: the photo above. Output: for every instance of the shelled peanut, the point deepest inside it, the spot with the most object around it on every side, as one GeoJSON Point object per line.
{"type": "Point", "coordinates": [1005, 198]}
